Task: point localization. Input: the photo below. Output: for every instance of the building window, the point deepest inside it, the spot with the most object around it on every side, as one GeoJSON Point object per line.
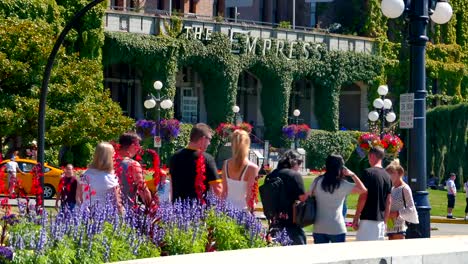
{"type": "Point", "coordinates": [192, 7]}
{"type": "Point", "coordinates": [350, 107]}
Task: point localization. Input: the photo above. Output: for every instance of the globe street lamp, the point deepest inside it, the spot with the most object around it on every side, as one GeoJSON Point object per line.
{"type": "Point", "coordinates": [156, 101]}
{"type": "Point", "coordinates": [296, 114]}
{"type": "Point", "coordinates": [383, 110]}
{"type": "Point", "coordinates": [418, 12]}
{"type": "Point", "coordinates": [236, 110]}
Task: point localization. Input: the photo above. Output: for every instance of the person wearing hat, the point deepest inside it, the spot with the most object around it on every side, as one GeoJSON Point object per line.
{"type": "Point", "coordinates": [12, 168]}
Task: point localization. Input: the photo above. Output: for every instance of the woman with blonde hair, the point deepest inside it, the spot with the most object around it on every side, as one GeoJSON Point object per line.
{"type": "Point", "coordinates": [239, 174]}
{"type": "Point", "coordinates": [99, 182]}
{"type": "Point", "coordinates": [403, 209]}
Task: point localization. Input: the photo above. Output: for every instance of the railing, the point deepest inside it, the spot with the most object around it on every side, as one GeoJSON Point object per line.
{"type": "Point", "coordinates": [153, 23]}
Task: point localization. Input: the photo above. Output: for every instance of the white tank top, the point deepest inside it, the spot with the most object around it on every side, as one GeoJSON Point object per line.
{"type": "Point", "coordinates": [237, 189]}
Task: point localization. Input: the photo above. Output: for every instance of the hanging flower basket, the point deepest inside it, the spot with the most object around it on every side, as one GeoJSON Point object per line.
{"type": "Point", "coordinates": [225, 130]}
{"type": "Point", "coordinates": [300, 132]}
{"type": "Point", "coordinates": [144, 128]}
{"type": "Point", "coordinates": [169, 129]}
{"type": "Point", "coordinates": [391, 143]}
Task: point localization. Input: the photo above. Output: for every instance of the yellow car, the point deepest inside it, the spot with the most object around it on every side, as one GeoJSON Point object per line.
{"type": "Point", "coordinates": [52, 177]}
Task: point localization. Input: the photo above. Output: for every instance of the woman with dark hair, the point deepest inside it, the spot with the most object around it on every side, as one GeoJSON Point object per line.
{"type": "Point", "coordinates": [293, 189]}
{"type": "Point", "coordinates": [330, 190]}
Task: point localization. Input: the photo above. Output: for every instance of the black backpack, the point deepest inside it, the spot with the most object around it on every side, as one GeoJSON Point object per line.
{"type": "Point", "coordinates": [273, 196]}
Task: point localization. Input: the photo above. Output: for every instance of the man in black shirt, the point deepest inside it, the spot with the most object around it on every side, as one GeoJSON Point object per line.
{"type": "Point", "coordinates": [373, 207]}
{"type": "Point", "coordinates": [183, 167]}
{"type": "Point", "coordinates": [287, 170]}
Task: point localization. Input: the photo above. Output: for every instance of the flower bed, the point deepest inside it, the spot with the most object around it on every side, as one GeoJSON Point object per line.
{"type": "Point", "coordinates": [97, 234]}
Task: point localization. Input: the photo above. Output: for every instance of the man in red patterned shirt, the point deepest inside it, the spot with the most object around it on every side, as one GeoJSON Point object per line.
{"type": "Point", "coordinates": [66, 192]}
{"type": "Point", "coordinates": [130, 171]}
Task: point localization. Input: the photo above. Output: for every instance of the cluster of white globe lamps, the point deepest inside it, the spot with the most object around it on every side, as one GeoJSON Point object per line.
{"type": "Point", "coordinates": [394, 8]}
{"type": "Point", "coordinates": [151, 102]}
{"type": "Point", "coordinates": [382, 104]}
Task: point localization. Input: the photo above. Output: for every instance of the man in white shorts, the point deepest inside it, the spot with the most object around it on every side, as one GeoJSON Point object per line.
{"type": "Point", "coordinates": [373, 207]}
{"type": "Point", "coordinates": [12, 168]}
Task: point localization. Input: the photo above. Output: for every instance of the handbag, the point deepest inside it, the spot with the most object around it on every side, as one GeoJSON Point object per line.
{"type": "Point", "coordinates": [304, 213]}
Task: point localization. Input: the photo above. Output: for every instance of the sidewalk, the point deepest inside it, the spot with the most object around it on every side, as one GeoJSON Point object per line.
{"type": "Point", "coordinates": [351, 212]}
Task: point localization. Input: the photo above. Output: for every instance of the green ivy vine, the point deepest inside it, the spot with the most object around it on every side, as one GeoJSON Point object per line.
{"type": "Point", "coordinates": [161, 57]}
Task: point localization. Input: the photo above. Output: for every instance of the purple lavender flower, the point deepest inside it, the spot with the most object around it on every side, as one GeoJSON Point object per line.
{"type": "Point", "coordinates": [6, 253]}
{"type": "Point", "coordinates": [282, 238]}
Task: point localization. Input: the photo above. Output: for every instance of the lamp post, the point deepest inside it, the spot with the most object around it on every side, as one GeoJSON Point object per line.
{"type": "Point", "coordinates": [296, 114]}
{"type": "Point", "coordinates": [418, 12]}
{"type": "Point", "coordinates": [155, 101]}
{"type": "Point", "coordinates": [383, 110]}
{"type": "Point", "coordinates": [236, 110]}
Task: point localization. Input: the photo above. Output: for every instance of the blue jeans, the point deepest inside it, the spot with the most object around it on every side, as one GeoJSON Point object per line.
{"type": "Point", "coordinates": [325, 238]}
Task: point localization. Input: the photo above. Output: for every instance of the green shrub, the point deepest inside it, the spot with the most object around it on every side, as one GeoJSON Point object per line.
{"type": "Point", "coordinates": [51, 156]}
{"type": "Point", "coordinates": [322, 143]}
{"type": "Point", "coordinates": [228, 235]}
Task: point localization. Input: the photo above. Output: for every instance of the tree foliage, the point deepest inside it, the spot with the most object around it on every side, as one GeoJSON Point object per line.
{"type": "Point", "coordinates": [79, 109]}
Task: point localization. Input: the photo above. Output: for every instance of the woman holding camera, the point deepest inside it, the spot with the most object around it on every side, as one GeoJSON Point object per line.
{"type": "Point", "coordinates": [403, 209]}
{"type": "Point", "coordinates": [330, 190]}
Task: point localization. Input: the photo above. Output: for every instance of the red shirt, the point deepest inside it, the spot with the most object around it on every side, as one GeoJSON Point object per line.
{"type": "Point", "coordinates": [67, 189]}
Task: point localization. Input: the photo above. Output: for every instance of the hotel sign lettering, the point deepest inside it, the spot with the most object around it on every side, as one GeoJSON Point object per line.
{"type": "Point", "coordinates": [256, 45]}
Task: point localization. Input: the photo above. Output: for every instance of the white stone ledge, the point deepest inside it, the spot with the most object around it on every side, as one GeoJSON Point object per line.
{"type": "Point", "coordinates": [453, 250]}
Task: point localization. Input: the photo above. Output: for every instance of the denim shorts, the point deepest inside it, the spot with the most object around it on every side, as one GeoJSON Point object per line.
{"type": "Point", "coordinates": [450, 200]}
{"type": "Point", "coordinates": [326, 238]}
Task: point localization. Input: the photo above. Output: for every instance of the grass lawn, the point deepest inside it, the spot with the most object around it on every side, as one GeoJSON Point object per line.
{"type": "Point", "coordinates": [437, 199]}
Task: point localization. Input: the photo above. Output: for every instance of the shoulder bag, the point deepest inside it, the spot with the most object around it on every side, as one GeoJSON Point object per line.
{"type": "Point", "coordinates": [304, 213]}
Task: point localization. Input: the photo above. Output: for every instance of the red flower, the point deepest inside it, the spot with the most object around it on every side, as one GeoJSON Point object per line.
{"type": "Point", "coordinates": [254, 196]}
{"type": "Point", "coordinates": [200, 177]}
{"type": "Point", "coordinates": [93, 192]}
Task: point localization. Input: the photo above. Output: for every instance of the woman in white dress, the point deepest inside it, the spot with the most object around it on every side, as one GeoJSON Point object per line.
{"type": "Point", "coordinates": [99, 182]}
{"type": "Point", "coordinates": [403, 209]}
{"type": "Point", "coordinates": [239, 174]}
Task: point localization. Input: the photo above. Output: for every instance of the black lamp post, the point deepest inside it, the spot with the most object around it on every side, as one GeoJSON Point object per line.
{"type": "Point", "coordinates": [156, 101]}
{"type": "Point", "coordinates": [45, 85]}
{"type": "Point", "coordinates": [383, 110]}
{"type": "Point", "coordinates": [418, 12]}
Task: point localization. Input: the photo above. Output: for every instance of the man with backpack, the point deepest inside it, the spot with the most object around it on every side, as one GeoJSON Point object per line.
{"type": "Point", "coordinates": [281, 189]}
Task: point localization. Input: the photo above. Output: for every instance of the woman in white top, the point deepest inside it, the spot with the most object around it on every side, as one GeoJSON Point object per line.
{"type": "Point", "coordinates": [403, 209]}
{"type": "Point", "coordinates": [99, 182]}
{"type": "Point", "coordinates": [330, 190]}
{"type": "Point", "coordinates": [239, 174]}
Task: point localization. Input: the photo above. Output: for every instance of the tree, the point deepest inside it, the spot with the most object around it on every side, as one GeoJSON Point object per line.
{"type": "Point", "coordinates": [79, 109]}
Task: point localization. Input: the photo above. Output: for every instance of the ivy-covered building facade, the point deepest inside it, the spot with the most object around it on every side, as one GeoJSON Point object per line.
{"type": "Point", "coordinates": [208, 67]}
